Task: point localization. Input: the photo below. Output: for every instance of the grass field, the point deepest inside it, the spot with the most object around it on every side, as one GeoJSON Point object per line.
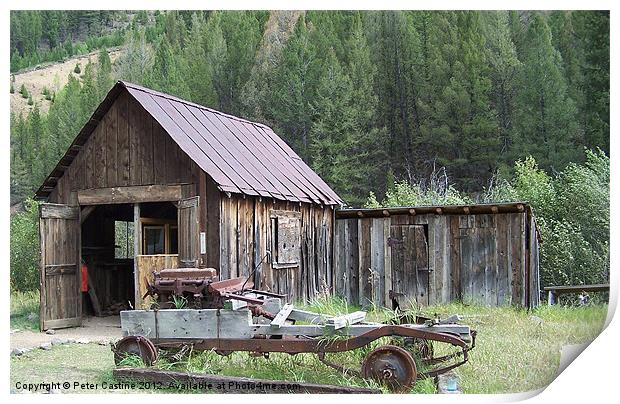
{"type": "Point", "coordinates": [516, 351]}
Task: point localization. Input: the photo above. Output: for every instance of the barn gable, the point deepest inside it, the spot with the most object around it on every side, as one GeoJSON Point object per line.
{"type": "Point", "coordinates": [240, 156]}
{"type": "Point", "coordinates": [126, 148]}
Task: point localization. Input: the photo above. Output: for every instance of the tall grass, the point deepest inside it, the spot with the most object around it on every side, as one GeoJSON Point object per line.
{"type": "Point", "coordinates": [25, 310]}
{"type": "Point", "coordinates": [516, 350]}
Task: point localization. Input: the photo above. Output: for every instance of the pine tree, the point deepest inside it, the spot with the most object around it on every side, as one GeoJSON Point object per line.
{"type": "Point", "coordinates": [242, 34]}
{"type": "Point", "coordinates": [137, 61]}
{"type": "Point", "coordinates": [166, 75]}
{"type": "Point", "coordinates": [504, 71]}
{"type": "Point", "coordinates": [294, 89]}
{"type": "Point", "coordinates": [370, 158]}
{"type": "Point", "coordinates": [215, 56]}
{"type": "Point", "coordinates": [394, 42]}
{"type": "Point", "coordinates": [90, 93]}
{"type": "Point", "coordinates": [255, 95]}
{"type": "Point", "coordinates": [592, 27]}
{"type": "Point", "coordinates": [104, 73]}
{"type": "Point", "coordinates": [332, 136]}
{"type": "Point", "coordinates": [546, 125]}
{"type": "Point", "coordinates": [199, 73]}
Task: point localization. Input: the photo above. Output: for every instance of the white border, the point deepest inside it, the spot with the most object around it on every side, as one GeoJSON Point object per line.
{"type": "Point", "coordinates": [592, 378]}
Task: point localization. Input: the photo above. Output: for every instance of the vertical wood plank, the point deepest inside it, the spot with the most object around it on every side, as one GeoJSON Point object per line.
{"type": "Point", "coordinates": [365, 288]}
{"type": "Point", "coordinates": [110, 122]}
{"type": "Point", "coordinates": [503, 264]}
{"type": "Point", "coordinates": [137, 250]}
{"type": "Point", "coordinates": [387, 259]}
{"type": "Point", "coordinates": [146, 145]}
{"type": "Point", "coordinates": [122, 152]}
{"type": "Point", "coordinates": [135, 130]}
{"type": "Point", "coordinates": [377, 261]}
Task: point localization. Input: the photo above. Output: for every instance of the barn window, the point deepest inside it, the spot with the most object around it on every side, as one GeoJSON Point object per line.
{"type": "Point", "coordinates": [285, 236]}
{"type": "Point", "coordinates": [159, 237]}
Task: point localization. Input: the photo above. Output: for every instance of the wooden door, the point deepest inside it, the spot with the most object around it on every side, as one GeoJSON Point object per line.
{"type": "Point", "coordinates": [479, 264]}
{"type": "Point", "coordinates": [188, 232]}
{"type": "Point", "coordinates": [410, 280]}
{"type": "Point", "coordinates": [61, 303]}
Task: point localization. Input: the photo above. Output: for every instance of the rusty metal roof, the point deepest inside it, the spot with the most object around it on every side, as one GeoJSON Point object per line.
{"type": "Point", "coordinates": [241, 156]}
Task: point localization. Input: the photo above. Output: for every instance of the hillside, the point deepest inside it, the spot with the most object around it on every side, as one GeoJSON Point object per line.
{"type": "Point", "coordinates": [367, 99]}
{"type": "Point", "coordinates": [53, 76]}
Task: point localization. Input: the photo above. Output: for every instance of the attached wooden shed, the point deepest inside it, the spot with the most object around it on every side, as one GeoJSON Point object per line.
{"type": "Point", "coordinates": [153, 181]}
{"type": "Point", "coordinates": [485, 254]}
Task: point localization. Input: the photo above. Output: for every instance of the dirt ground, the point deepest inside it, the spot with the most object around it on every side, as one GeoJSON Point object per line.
{"type": "Point", "coordinates": [94, 329]}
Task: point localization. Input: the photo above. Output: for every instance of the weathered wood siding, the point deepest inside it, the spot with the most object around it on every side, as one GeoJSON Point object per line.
{"type": "Point", "coordinates": [490, 259]}
{"type": "Point", "coordinates": [245, 237]}
{"type": "Point", "coordinates": [127, 148]}
{"type": "Point", "coordinates": [146, 264]}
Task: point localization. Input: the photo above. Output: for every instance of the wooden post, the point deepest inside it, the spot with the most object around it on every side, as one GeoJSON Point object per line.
{"type": "Point", "coordinates": [552, 298]}
{"type": "Point", "coordinates": [137, 250]}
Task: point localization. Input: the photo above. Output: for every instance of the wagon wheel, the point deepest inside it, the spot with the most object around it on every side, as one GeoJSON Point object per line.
{"type": "Point", "coordinates": [135, 345]}
{"type": "Point", "coordinates": [392, 366]}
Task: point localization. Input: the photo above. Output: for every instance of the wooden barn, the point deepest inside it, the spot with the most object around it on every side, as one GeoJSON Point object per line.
{"type": "Point", "coordinates": [153, 181]}
{"type": "Point", "coordinates": [484, 254]}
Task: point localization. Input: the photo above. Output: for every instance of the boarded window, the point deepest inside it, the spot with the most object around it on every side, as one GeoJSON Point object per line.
{"type": "Point", "coordinates": [286, 235]}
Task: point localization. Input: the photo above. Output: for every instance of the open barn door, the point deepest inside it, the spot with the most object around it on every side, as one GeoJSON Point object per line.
{"type": "Point", "coordinates": [189, 233]}
{"type": "Point", "coordinates": [59, 229]}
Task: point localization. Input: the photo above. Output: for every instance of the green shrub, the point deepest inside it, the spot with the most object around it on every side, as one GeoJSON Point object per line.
{"type": "Point", "coordinates": [77, 69]}
{"type": "Point", "coordinates": [30, 101]}
{"type": "Point", "coordinates": [25, 252]}
{"type": "Point", "coordinates": [23, 91]}
{"type": "Point", "coordinates": [12, 88]}
{"type": "Point", "coordinates": [435, 190]}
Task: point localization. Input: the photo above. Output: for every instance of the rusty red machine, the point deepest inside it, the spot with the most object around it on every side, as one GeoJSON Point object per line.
{"type": "Point", "coordinates": [230, 315]}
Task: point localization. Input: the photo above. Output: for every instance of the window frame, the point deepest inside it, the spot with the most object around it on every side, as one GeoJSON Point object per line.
{"type": "Point", "coordinates": [167, 224]}
{"type": "Point", "coordinates": [276, 217]}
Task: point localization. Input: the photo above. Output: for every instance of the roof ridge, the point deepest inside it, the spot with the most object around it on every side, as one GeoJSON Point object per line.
{"type": "Point", "coordinates": [190, 103]}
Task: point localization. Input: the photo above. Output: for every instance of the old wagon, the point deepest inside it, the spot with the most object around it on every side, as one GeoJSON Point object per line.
{"type": "Point", "coordinates": [230, 316]}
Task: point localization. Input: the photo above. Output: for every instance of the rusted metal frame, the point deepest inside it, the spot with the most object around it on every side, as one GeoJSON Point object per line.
{"type": "Point", "coordinates": [297, 345]}
{"type": "Point", "coordinates": [264, 293]}
{"type": "Point", "coordinates": [242, 298]}
{"type": "Point", "coordinates": [434, 361]}
{"type": "Point", "coordinates": [421, 375]}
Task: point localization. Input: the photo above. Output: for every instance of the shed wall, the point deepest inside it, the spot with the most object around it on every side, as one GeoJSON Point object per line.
{"type": "Point", "coordinates": [246, 236]}
{"type": "Point", "coordinates": [489, 259]}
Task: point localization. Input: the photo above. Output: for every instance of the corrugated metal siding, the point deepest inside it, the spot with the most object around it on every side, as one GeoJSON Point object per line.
{"type": "Point", "coordinates": [241, 156]}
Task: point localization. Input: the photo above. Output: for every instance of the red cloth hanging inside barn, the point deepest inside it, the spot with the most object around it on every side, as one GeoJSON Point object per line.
{"type": "Point", "coordinates": [84, 285]}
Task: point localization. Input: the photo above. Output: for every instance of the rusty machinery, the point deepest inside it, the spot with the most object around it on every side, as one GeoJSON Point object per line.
{"type": "Point", "coordinates": [258, 323]}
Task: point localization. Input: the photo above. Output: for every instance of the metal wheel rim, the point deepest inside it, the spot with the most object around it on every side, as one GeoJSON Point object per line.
{"type": "Point", "coordinates": [135, 345]}
{"type": "Point", "coordinates": [391, 366]}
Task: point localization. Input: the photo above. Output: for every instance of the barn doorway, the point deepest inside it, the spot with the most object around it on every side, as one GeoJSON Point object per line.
{"type": "Point", "coordinates": [110, 252]}
{"type": "Point", "coordinates": [117, 245]}
{"type": "Point", "coordinates": [107, 251]}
